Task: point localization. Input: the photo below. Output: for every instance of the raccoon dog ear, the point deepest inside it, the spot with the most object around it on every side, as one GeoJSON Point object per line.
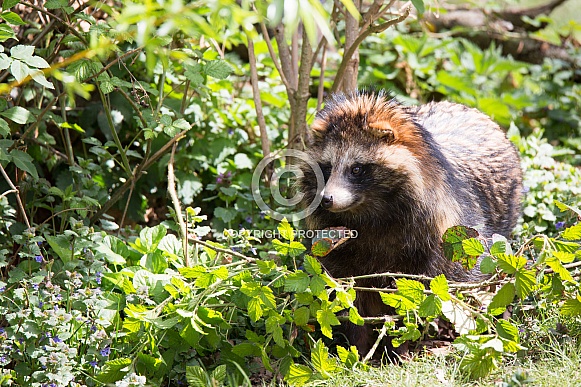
{"type": "Point", "coordinates": [318, 129]}
{"type": "Point", "coordinates": [381, 129]}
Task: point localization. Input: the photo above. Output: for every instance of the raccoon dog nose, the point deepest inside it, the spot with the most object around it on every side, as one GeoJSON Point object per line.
{"type": "Point", "coordinates": [327, 201]}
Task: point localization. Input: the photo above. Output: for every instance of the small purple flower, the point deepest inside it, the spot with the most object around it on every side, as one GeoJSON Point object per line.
{"type": "Point", "coordinates": [230, 132]}
{"type": "Point", "coordinates": [93, 328]}
{"type": "Point", "coordinates": [38, 258]}
{"type": "Point", "coordinates": [35, 286]}
{"type": "Point", "coordinates": [219, 180]}
{"type": "Point", "coordinates": [59, 297]}
{"type": "Point", "coordinates": [2, 330]}
{"type": "Point", "coordinates": [98, 277]}
{"type": "Point", "coordinates": [248, 219]}
{"type": "Point", "coordinates": [40, 304]}
{"type": "Point", "coordinates": [228, 174]}
{"type": "Point", "coordinates": [559, 225]}
{"type": "Point", "coordinates": [57, 339]}
{"type": "Point", "coordinates": [93, 363]}
{"type": "Point", "coordinates": [106, 351]}
{"type": "Point", "coordinates": [47, 335]}
{"type": "Point", "coordinates": [2, 289]}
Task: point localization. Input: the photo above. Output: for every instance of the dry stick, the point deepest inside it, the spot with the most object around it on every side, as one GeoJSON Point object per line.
{"type": "Point", "coordinates": [382, 334]}
{"type": "Point", "coordinates": [285, 60]}
{"type": "Point", "coordinates": [302, 95]}
{"type": "Point", "coordinates": [136, 175]}
{"type": "Point", "coordinates": [257, 102]}
{"type": "Point", "coordinates": [171, 187]}
{"type": "Point", "coordinates": [18, 200]}
{"type": "Point", "coordinates": [360, 38]}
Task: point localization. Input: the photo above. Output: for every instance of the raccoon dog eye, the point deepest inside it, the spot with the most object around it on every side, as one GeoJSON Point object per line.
{"type": "Point", "coordinates": [357, 170]}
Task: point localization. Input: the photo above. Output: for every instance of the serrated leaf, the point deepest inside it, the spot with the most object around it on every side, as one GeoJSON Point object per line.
{"type": "Point", "coordinates": [218, 69]}
{"type": "Point", "coordinates": [510, 263]}
{"type": "Point", "coordinates": [23, 161]}
{"type": "Point", "coordinates": [219, 374]}
{"type": "Point", "coordinates": [322, 247]}
{"type": "Point", "coordinates": [453, 247]}
{"type": "Point", "coordinates": [558, 268]}
{"type": "Point", "coordinates": [564, 207]}
{"type": "Point", "coordinates": [317, 286]}
{"type": "Point", "coordinates": [571, 307]}
{"type": "Point", "coordinates": [326, 318]}
{"type": "Point", "coordinates": [524, 282]}
{"type": "Point", "coordinates": [431, 306]}
{"type": "Point", "coordinates": [292, 249]}
{"type": "Point", "coordinates": [298, 375]}
{"type": "Point", "coordinates": [564, 256]}
{"type": "Point", "coordinates": [463, 320]}
{"type": "Point", "coordinates": [114, 370]}
{"type": "Point", "coordinates": [572, 233]}
{"type": "Point", "coordinates": [507, 330]}
{"type": "Point", "coordinates": [502, 298]}
{"type": "Point", "coordinates": [412, 289]}
{"type": "Point", "coordinates": [488, 265]}
{"type": "Point", "coordinates": [354, 317]}
{"type": "Point", "coordinates": [398, 301]}
{"type": "Point", "coordinates": [321, 361]}
{"type": "Point", "coordinates": [312, 266]}
{"type": "Point", "coordinates": [439, 286]}
{"type": "Point", "coordinates": [296, 282]}
{"type": "Point", "coordinates": [301, 316]}
{"type": "Point", "coordinates": [285, 230]}
{"type": "Point", "coordinates": [473, 246]}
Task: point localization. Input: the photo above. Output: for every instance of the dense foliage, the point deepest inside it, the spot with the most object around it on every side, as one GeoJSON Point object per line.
{"type": "Point", "coordinates": [104, 110]}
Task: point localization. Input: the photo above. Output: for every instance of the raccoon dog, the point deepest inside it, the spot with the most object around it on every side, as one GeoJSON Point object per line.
{"type": "Point", "coordinates": [400, 176]}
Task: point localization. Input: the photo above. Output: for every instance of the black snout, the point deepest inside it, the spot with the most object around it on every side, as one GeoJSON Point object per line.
{"type": "Point", "coordinates": [327, 201]}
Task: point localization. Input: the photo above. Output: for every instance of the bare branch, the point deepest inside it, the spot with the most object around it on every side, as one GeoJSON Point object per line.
{"type": "Point", "coordinates": [17, 194]}
{"type": "Point", "coordinates": [273, 55]}
{"type": "Point", "coordinates": [285, 59]}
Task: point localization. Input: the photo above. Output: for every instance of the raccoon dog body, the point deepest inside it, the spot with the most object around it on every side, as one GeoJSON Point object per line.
{"type": "Point", "coordinates": [400, 176]}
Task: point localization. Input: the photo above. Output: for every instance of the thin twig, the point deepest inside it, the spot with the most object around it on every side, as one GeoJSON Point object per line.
{"type": "Point", "coordinates": [371, 352]}
{"type": "Point", "coordinates": [171, 188]}
{"type": "Point", "coordinates": [17, 194]}
{"type": "Point", "coordinates": [273, 54]}
{"type": "Point", "coordinates": [222, 250]}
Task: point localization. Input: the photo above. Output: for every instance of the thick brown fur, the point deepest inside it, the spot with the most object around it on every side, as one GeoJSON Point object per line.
{"type": "Point", "coordinates": [420, 170]}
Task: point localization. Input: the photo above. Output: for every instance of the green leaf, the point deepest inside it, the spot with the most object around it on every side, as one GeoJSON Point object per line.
{"type": "Point", "coordinates": [525, 283]}
{"type": "Point", "coordinates": [12, 18]}
{"type": "Point", "coordinates": [312, 266]}
{"type": "Point", "coordinates": [453, 246]}
{"type": "Point", "coordinates": [18, 114]}
{"type": "Point", "coordinates": [298, 375]}
{"type": "Point", "coordinates": [510, 263]}
{"type": "Point", "coordinates": [502, 299]}
{"type": "Point", "coordinates": [419, 4]}
{"type": "Point", "coordinates": [226, 214]}
{"type": "Point", "coordinates": [498, 247]}
{"type": "Point", "coordinates": [296, 282]}
{"type": "Point", "coordinates": [507, 330]}
{"type": "Point", "coordinates": [150, 237]}
{"type": "Point", "coordinates": [6, 32]}
{"type": "Point", "coordinates": [218, 374]}
{"type": "Point", "coordinates": [112, 370]}
{"type": "Point", "coordinates": [154, 262]}
{"type": "Point", "coordinates": [321, 361]}
{"type": "Point", "coordinates": [412, 289]}
{"type": "Point", "coordinates": [255, 310]}
{"type": "Point", "coordinates": [301, 316]}
{"type": "Point", "coordinates": [326, 318]}
{"type": "Point", "coordinates": [292, 249]}
{"type": "Point", "coordinates": [558, 268]}
{"type": "Point", "coordinates": [61, 245]}
{"type": "Point", "coordinates": [196, 377]}
{"type": "Point", "coordinates": [54, 4]}
{"type": "Point", "coordinates": [571, 307]}
{"type": "Point", "coordinates": [218, 69]}
{"type": "Point", "coordinates": [354, 316]}
{"type": "Point", "coordinates": [473, 246]}
{"type": "Point", "coordinates": [439, 286]}
{"type": "Point", "coordinates": [285, 230]}
{"type": "Point", "coordinates": [431, 306]}
{"type": "Point", "coordinates": [317, 285]}
{"type": "Point", "coordinates": [399, 302]}
{"type": "Point", "coordinates": [23, 161]}
{"type": "Point", "coordinates": [321, 247]}
{"type": "Point", "coordinates": [22, 52]}
{"type": "Point", "coordinates": [563, 207]}
{"type": "Point", "coordinates": [572, 233]}
{"type": "Point", "coordinates": [488, 265]}
{"type": "Point", "coordinates": [7, 4]}
{"type": "Point", "coordinates": [4, 128]}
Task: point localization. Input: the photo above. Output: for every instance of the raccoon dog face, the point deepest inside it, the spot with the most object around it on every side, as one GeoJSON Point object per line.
{"type": "Point", "coordinates": [369, 150]}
